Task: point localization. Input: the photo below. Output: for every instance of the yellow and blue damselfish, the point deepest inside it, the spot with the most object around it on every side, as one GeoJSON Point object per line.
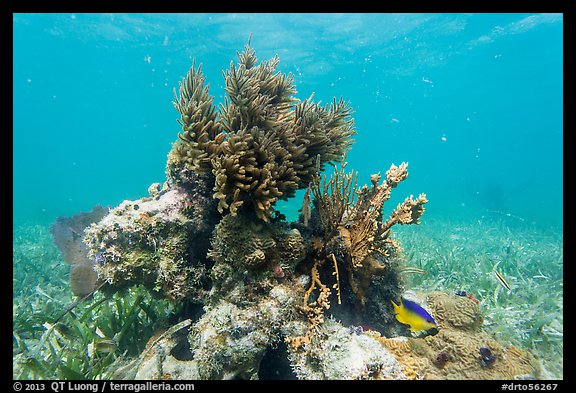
{"type": "Point", "coordinates": [410, 313]}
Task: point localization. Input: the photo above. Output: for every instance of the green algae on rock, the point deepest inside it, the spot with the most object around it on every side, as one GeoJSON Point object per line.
{"type": "Point", "coordinates": [156, 241]}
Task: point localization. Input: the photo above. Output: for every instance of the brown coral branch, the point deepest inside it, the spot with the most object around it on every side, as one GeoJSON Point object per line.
{"type": "Point", "coordinates": [407, 212]}
{"type": "Point", "coordinates": [336, 273]}
{"type": "Point", "coordinates": [354, 219]}
{"type": "Point", "coordinates": [335, 195]}
{"type": "Point", "coordinates": [200, 128]}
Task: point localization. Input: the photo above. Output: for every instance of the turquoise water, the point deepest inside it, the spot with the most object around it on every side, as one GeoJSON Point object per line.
{"type": "Point", "coordinates": [472, 102]}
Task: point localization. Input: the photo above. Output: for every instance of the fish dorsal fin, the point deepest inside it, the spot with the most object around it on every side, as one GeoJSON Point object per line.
{"type": "Point", "coordinates": [397, 307]}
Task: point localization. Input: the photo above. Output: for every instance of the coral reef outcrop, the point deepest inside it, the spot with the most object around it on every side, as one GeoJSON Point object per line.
{"type": "Point", "coordinates": [320, 286]}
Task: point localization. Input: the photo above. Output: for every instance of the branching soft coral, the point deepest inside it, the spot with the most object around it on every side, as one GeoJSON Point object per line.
{"type": "Point", "coordinates": [364, 232]}
{"type": "Point", "coordinates": [353, 228]}
{"type": "Point", "coordinates": [201, 131]}
{"type": "Point", "coordinates": [262, 144]}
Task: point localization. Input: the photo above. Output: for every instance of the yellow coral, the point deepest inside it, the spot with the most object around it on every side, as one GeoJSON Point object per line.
{"type": "Point", "coordinates": [314, 310]}
{"type": "Point", "coordinates": [457, 311]}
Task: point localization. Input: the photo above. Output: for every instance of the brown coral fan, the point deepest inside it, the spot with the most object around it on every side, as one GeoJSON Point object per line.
{"type": "Point", "coordinates": [83, 279]}
{"type": "Point", "coordinates": [455, 352]}
{"type": "Point", "coordinates": [68, 232]}
{"type": "Point", "coordinates": [262, 144]}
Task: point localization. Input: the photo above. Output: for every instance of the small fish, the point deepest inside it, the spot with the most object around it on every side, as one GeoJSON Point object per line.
{"type": "Point", "coordinates": [502, 280]}
{"type": "Point", "coordinates": [105, 345]}
{"type": "Point", "coordinates": [410, 313]}
{"type": "Point", "coordinates": [39, 291]}
{"type": "Point", "coordinates": [412, 269]}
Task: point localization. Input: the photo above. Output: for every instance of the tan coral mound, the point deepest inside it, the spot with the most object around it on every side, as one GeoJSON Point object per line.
{"type": "Point", "coordinates": [454, 352]}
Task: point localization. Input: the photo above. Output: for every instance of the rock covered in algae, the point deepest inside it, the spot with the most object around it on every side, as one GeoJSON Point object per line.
{"type": "Point", "coordinates": [247, 307]}
{"type": "Point", "coordinates": [457, 350]}
{"type": "Point", "coordinates": [229, 340]}
{"type": "Point", "coordinates": [337, 352]}
{"type": "Point", "coordinates": [158, 241]}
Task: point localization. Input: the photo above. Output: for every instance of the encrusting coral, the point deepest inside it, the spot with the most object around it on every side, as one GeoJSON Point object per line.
{"type": "Point", "coordinates": [250, 255]}
{"type": "Point", "coordinates": [459, 348]}
{"type": "Point", "coordinates": [337, 352]}
{"type": "Point", "coordinates": [210, 235]}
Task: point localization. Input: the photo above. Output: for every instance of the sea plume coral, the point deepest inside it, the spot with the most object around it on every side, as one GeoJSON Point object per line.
{"type": "Point", "coordinates": [262, 144]}
{"type": "Point", "coordinates": [68, 232]}
{"type": "Point", "coordinates": [201, 132]}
